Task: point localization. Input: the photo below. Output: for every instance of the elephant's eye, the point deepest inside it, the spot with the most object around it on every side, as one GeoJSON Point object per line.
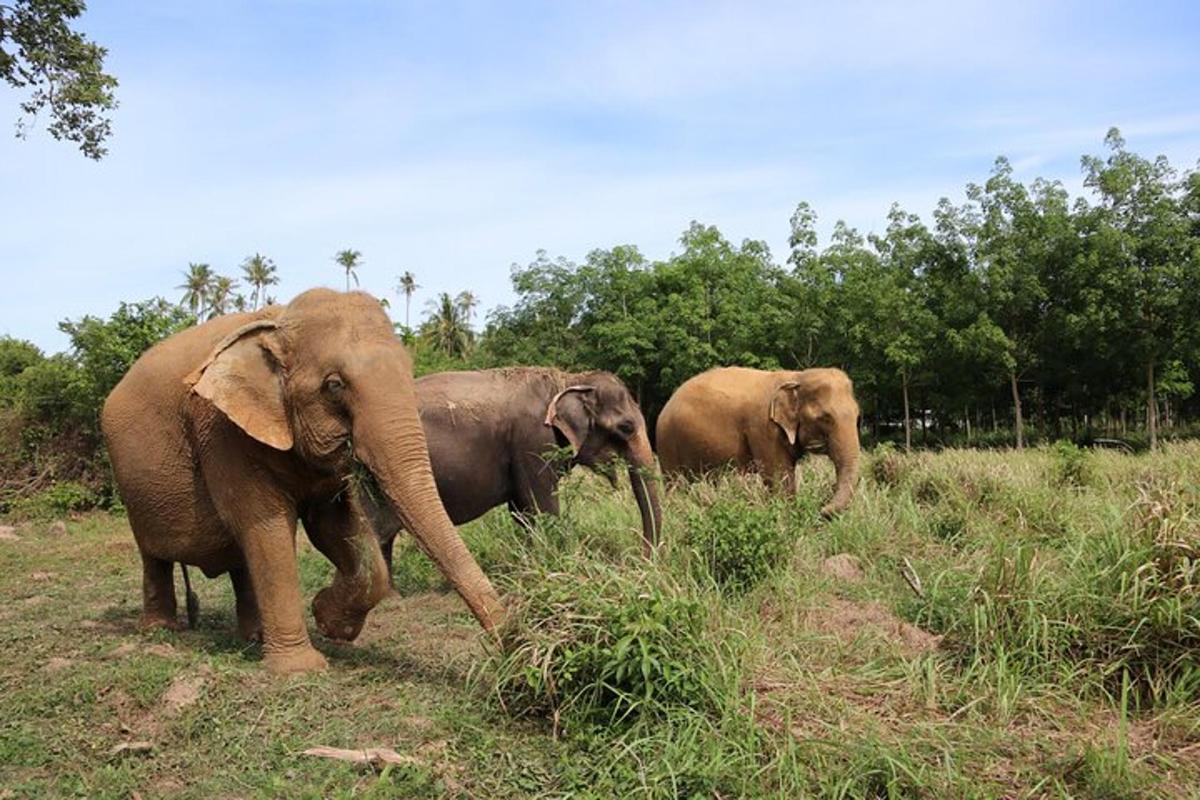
{"type": "Point", "coordinates": [333, 385]}
{"type": "Point", "coordinates": [626, 428]}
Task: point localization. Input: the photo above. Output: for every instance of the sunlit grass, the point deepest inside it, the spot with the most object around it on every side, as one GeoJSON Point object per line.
{"type": "Point", "coordinates": [1014, 625]}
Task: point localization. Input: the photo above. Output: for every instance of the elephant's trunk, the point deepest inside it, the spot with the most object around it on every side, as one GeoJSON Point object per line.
{"type": "Point", "coordinates": [643, 477]}
{"type": "Point", "coordinates": [389, 439]}
{"type": "Point", "coordinates": [844, 452]}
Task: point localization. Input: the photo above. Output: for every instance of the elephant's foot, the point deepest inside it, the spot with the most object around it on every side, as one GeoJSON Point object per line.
{"type": "Point", "coordinates": [334, 620]}
{"type": "Point", "coordinates": [249, 623]}
{"type": "Point", "coordinates": [300, 659]}
{"type": "Point", "coordinates": [250, 630]}
{"type": "Point", "coordinates": [150, 620]}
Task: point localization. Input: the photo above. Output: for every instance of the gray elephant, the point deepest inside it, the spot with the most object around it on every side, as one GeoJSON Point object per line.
{"type": "Point", "coordinates": [225, 434]}
{"type": "Point", "coordinates": [492, 433]}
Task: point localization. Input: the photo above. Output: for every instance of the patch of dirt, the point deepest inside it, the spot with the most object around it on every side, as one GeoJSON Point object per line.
{"type": "Point", "coordinates": [59, 528]}
{"type": "Point", "coordinates": [843, 567]}
{"type": "Point", "coordinates": [160, 649]}
{"type": "Point", "coordinates": [35, 600]}
{"type": "Point", "coordinates": [418, 724]}
{"type": "Point", "coordinates": [8, 534]}
{"type": "Point", "coordinates": [185, 691]}
{"type": "Point", "coordinates": [846, 621]}
{"type": "Point", "coordinates": [41, 576]}
{"type": "Point", "coordinates": [431, 625]}
{"type": "Point", "coordinates": [57, 663]}
{"type": "Point", "coordinates": [126, 718]}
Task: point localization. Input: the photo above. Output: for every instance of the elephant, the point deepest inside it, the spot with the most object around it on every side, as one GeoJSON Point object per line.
{"type": "Point", "coordinates": [492, 434]}
{"type": "Point", "coordinates": [225, 434]}
{"type": "Point", "coordinates": [762, 420]}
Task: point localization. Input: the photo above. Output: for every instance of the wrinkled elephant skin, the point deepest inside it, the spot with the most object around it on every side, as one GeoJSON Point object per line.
{"type": "Point", "coordinates": [492, 433]}
{"type": "Point", "coordinates": [225, 434]}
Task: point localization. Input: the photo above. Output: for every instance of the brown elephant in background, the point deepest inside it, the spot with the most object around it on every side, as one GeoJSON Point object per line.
{"type": "Point", "coordinates": [225, 434]}
{"type": "Point", "coordinates": [763, 420]}
{"type": "Point", "coordinates": [492, 435]}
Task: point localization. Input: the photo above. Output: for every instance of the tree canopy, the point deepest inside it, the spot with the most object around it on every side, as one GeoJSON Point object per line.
{"type": "Point", "coordinates": [60, 68]}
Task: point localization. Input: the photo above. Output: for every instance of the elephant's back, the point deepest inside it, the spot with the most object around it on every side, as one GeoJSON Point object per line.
{"type": "Point", "coordinates": [151, 395]}
{"type": "Point", "coordinates": [166, 364]}
{"type": "Point", "coordinates": [700, 425]}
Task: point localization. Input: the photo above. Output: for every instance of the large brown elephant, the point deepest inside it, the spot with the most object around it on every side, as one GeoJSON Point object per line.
{"type": "Point", "coordinates": [762, 420]}
{"type": "Point", "coordinates": [225, 434]}
{"type": "Point", "coordinates": [492, 435]}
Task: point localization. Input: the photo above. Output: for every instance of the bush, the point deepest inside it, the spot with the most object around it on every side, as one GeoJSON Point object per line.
{"type": "Point", "coordinates": [1071, 465]}
{"type": "Point", "coordinates": [740, 543]}
{"type": "Point", "coordinates": [601, 645]}
{"type": "Point", "coordinates": [59, 500]}
{"type": "Point", "coordinates": [887, 465]}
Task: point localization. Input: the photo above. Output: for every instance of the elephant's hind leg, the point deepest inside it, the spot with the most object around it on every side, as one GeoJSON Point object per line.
{"type": "Point", "coordinates": [158, 594]}
{"type": "Point", "coordinates": [248, 620]}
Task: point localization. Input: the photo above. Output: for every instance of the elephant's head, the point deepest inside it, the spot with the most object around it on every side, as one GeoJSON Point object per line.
{"type": "Point", "coordinates": [600, 421]}
{"type": "Point", "coordinates": [814, 408]}
{"type": "Point", "coordinates": [325, 378]}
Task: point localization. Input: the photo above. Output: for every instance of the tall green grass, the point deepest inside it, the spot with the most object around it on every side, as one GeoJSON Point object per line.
{"type": "Point", "coordinates": [1060, 579]}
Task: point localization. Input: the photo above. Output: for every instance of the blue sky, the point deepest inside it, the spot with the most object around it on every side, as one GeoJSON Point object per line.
{"type": "Point", "coordinates": [454, 139]}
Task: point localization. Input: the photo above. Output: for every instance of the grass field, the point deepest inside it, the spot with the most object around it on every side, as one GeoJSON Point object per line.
{"type": "Point", "coordinates": [979, 624]}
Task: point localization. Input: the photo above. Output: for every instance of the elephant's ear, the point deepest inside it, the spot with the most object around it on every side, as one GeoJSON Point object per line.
{"type": "Point", "coordinates": [570, 414]}
{"type": "Point", "coordinates": [242, 377]}
{"type": "Point", "coordinates": [785, 409]}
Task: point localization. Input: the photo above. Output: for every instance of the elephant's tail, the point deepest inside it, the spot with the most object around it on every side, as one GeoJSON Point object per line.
{"type": "Point", "coordinates": [192, 601]}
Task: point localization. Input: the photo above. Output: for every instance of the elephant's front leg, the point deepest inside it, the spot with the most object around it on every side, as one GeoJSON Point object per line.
{"type": "Point", "coordinates": [777, 467]}
{"type": "Point", "coordinates": [362, 580]}
{"type": "Point", "coordinates": [269, 546]}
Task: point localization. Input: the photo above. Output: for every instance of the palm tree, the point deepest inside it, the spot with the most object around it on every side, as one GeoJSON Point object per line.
{"type": "Point", "coordinates": [350, 260]}
{"type": "Point", "coordinates": [197, 285]}
{"type": "Point", "coordinates": [260, 273]}
{"type": "Point", "coordinates": [446, 327]}
{"type": "Point", "coordinates": [222, 298]}
{"type": "Point", "coordinates": [466, 302]}
{"type": "Point", "coordinates": [407, 286]}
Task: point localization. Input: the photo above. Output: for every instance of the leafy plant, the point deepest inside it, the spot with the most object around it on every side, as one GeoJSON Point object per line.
{"type": "Point", "coordinates": [738, 542]}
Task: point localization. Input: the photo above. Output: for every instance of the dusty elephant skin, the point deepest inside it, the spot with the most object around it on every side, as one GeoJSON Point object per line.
{"type": "Point", "coordinates": [225, 434]}
{"type": "Point", "coordinates": [765, 421]}
{"type": "Point", "coordinates": [490, 434]}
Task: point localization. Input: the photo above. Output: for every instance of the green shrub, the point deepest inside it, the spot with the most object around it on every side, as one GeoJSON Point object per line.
{"type": "Point", "coordinates": [739, 543]}
{"type": "Point", "coordinates": [59, 500]}
{"type": "Point", "coordinates": [1071, 465]}
{"type": "Point", "coordinates": [601, 645]}
{"type": "Point", "coordinates": [887, 465]}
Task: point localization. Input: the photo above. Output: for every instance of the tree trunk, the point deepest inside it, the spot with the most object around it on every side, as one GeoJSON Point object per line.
{"type": "Point", "coordinates": [1151, 406]}
{"type": "Point", "coordinates": [1017, 411]}
{"type": "Point", "coordinates": [967, 419]}
{"type": "Point", "coordinates": [907, 418]}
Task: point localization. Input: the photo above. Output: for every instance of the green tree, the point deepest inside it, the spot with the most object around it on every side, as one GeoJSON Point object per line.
{"type": "Point", "coordinates": [466, 302]}
{"type": "Point", "coordinates": [1006, 245]}
{"type": "Point", "coordinates": [223, 298]}
{"type": "Point", "coordinates": [350, 261]}
{"type": "Point", "coordinates": [407, 285]}
{"type": "Point", "coordinates": [897, 329]}
{"type": "Point", "coordinates": [446, 327]}
{"type": "Point", "coordinates": [197, 287]}
{"type": "Point", "coordinates": [1143, 231]}
{"type": "Point", "coordinates": [259, 272]}
{"type": "Point", "coordinates": [16, 355]}
{"type": "Point", "coordinates": [62, 70]}
{"type": "Point", "coordinates": [540, 327]}
{"type": "Point", "coordinates": [104, 350]}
